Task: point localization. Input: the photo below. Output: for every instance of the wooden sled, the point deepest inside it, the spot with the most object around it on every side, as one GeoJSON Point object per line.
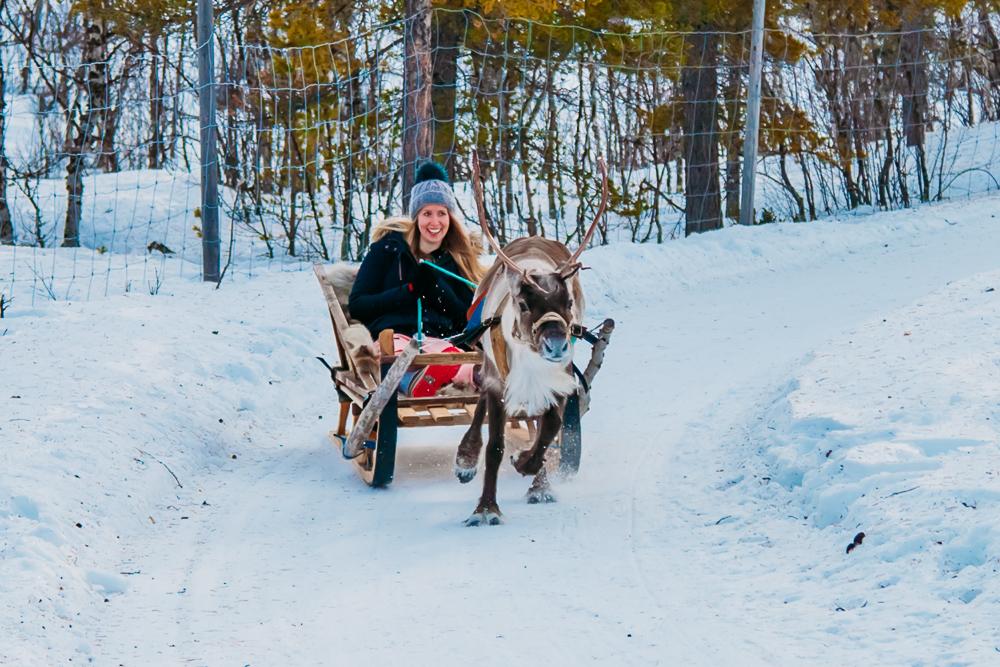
{"type": "Point", "coordinates": [359, 378]}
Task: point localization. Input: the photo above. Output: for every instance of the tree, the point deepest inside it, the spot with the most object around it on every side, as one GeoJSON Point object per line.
{"type": "Point", "coordinates": [418, 71]}
{"type": "Point", "coordinates": [447, 32]}
{"type": "Point", "coordinates": [497, 36]}
{"type": "Point", "coordinates": [6, 227]}
{"type": "Point", "coordinates": [146, 27]}
{"type": "Point", "coordinates": [699, 88]}
{"type": "Point", "coordinates": [91, 105]}
{"type": "Point", "coordinates": [315, 82]}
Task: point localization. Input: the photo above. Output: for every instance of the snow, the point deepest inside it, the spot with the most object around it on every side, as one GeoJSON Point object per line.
{"type": "Point", "coordinates": [168, 494]}
{"type": "Point", "coordinates": [893, 430]}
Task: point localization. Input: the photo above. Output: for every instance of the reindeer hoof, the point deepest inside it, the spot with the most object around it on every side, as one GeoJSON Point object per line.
{"type": "Point", "coordinates": [536, 496]}
{"type": "Point", "coordinates": [485, 518]}
{"type": "Point", "coordinates": [525, 464]}
{"type": "Point", "coordinates": [464, 475]}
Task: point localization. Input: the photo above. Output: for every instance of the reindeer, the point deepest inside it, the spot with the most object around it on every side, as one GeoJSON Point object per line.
{"type": "Point", "coordinates": [533, 293]}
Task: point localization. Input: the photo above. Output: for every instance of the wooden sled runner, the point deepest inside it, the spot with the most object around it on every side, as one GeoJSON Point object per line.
{"type": "Point", "coordinates": [367, 392]}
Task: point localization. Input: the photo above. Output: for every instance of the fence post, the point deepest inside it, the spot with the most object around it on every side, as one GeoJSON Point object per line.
{"type": "Point", "coordinates": [210, 244]}
{"type": "Point", "coordinates": [753, 114]}
{"type": "Point", "coordinates": [418, 141]}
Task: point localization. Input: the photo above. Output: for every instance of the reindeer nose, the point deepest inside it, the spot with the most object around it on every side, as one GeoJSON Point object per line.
{"type": "Point", "coordinates": [555, 348]}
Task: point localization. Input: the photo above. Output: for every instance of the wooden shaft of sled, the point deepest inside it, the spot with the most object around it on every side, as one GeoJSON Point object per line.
{"type": "Point", "coordinates": [441, 359]}
{"type": "Point", "coordinates": [597, 356]}
{"type": "Point", "coordinates": [371, 412]}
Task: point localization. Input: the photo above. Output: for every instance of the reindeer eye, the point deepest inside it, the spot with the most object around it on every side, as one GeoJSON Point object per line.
{"type": "Point", "coordinates": [523, 306]}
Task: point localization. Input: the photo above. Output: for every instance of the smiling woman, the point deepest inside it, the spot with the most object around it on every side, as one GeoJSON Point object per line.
{"type": "Point", "coordinates": [393, 279]}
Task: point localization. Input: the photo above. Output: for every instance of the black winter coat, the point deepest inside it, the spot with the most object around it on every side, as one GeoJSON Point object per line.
{"type": "Point", "coordinates": [383, 296]}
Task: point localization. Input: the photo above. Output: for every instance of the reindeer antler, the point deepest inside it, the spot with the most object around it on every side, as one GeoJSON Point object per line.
{"type": "Point", "coordinates": [477, 189]}
{"type": "Point", "coordinates": [568, 264]}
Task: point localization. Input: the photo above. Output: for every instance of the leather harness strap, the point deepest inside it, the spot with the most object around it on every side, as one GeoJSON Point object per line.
{"type": "Point", "coordinates": [499, 344]}
{"type": "Point", "coordinates": [545, 319]}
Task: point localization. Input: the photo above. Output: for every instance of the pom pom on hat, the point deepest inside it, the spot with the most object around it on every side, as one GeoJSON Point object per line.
{"type": "Point", "coordinates": [431, 171]}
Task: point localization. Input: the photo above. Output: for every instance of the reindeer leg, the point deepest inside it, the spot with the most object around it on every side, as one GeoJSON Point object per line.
{"type": "Point", "coordinates": [472, 443]}
{"type": "Point", "coordinates": [487, 511]}
{"type": "Point", "coordinates": [540, 490]}
{"type": "Point", "coordinates": [530, 461]}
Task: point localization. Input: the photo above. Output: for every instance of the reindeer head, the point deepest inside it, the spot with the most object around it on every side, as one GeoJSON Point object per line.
{"type": "Point", "coordinates": [543, 312]}
{"type": "Point", "coordinates": [542, 300]}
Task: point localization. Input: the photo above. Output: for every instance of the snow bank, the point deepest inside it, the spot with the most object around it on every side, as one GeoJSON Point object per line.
{"type": "Point", "coordinates": [114, 410]}
{"type": "Point", "coordinates": [963, 161]}
{"type": "Point", "coordinates": [894, 432]}
{"type": "Point", "coordinates": [122, 212]}
{"type": "Point", "coordinates": [138, 213]}
{"type": "Point", "coordinates": [39, 274]}
{"type": "Point", "coordinates": [738, 251]}
{"type": "Point", "coordinates": [909, 403]}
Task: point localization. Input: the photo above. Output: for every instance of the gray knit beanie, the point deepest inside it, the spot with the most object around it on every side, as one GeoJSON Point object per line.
{"type": "Point", "coordinates": [431, 187]}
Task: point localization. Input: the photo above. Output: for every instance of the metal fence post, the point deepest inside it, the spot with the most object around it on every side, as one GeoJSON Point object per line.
{"type": "Point", "coordinates": [753, 114]}
{"type": "Point", "coordinates": [210, 243]}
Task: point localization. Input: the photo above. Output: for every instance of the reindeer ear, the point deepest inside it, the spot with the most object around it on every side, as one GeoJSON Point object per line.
{"type": "Point", "coordinates": [515, 279]}
{"type": "Point", "coordinates": [570, 270]}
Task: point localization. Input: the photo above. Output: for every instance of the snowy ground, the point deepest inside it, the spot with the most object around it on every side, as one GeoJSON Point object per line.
{"type": "Point", "coordinates": [167, 494]}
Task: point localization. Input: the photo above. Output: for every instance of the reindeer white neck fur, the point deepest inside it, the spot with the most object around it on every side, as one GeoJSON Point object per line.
{"type": "Point", "coordinates": [534, 384]}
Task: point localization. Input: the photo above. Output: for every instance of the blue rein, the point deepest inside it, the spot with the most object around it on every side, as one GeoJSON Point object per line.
{"type": "Point", "coordinates": [449, 273]}
{"type": "Point", "coordinates": [420, 310]}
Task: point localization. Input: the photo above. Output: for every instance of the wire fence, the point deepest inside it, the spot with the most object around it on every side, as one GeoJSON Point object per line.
{"type": "Point", "coordinates": [101, 167]}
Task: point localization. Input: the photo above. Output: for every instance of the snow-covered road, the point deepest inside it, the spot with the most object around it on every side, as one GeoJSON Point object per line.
{"type": "Point", "coordinates": [273, 552]}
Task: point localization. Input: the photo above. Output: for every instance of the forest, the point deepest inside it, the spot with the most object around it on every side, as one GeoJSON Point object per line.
{"type": "Point", "coordinates": [323, 108]}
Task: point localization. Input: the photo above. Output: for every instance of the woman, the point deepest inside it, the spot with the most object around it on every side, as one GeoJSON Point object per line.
{"type": "Point", "coordinates": [392, 279]}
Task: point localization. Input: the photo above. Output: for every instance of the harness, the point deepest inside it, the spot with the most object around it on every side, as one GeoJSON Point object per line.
{"type": "Point", "coordinates": [477, 327]}
{"type": "Point", "coordinates": [545, 319]}
{"type": "Point", "coordinates": [500, 351]}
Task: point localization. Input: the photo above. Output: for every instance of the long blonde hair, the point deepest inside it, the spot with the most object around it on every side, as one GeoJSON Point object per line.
{"type": "Point", "coordinates": [463, 246]}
